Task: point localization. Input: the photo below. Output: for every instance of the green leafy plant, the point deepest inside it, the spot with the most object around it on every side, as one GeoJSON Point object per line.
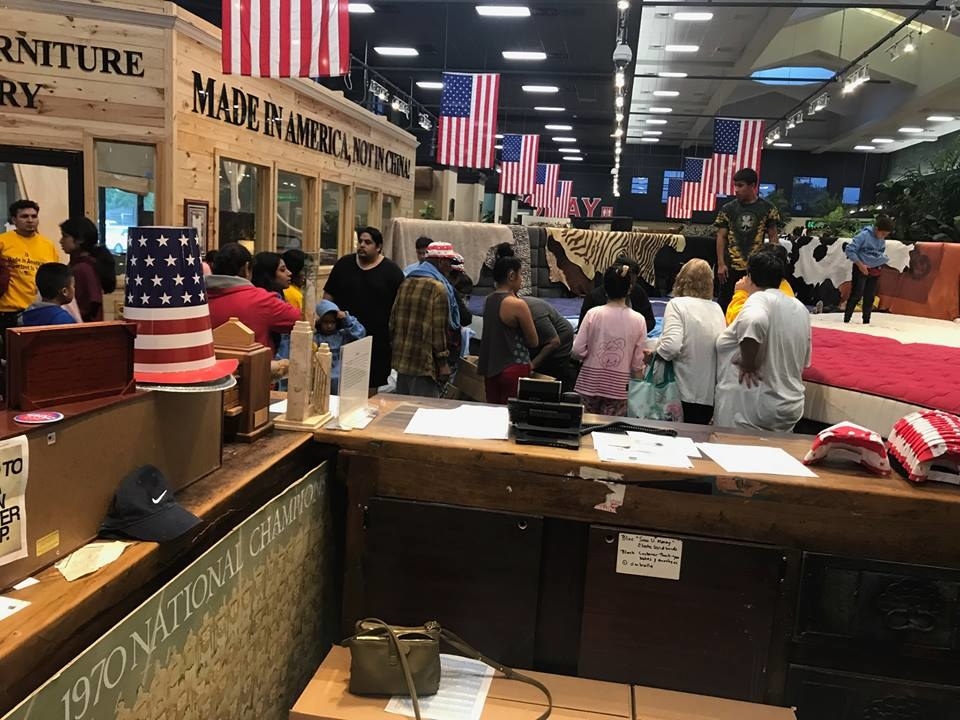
{"type": "Point", "coordinates": [428, 211]}
{"type": "Point", "coordinates": [926, 205]}
{"type": "Point", "coordinates": [780, 201]}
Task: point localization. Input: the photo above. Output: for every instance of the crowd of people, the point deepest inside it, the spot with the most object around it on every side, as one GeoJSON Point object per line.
{"type": "Point", "coordinates": [738, 360]}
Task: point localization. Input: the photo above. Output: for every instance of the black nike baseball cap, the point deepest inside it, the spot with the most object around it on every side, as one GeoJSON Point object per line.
{"type": "Point", "coordinates": [143, 508]}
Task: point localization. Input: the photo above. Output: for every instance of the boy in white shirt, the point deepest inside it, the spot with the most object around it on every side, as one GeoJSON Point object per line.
{"type": "Point", "coordinates": [762, 355]}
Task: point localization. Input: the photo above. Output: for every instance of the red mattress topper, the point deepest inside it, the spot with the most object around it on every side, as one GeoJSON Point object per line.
{"type": "Point", "coordinates": [914, 373]}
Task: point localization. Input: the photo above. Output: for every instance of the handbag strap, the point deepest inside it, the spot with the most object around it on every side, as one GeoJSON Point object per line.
{"type": "Point", "coordinates": [405, 666]}
{"type": "Point", "coordinates": [511, 674]}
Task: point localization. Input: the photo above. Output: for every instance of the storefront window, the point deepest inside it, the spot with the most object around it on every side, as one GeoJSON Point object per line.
{"type": "Point", "coordinates": [362, 209]}
{"type": "Point", "coordinates": [125, 190]}
{"type": "Point", "coordinates": [292, 194]}
{"type": "Point", "coordinates": [331, 212]}
{"type": "Point", "coordinates": [389, 208]}
{"type": "Point", "coordinates": [240, 184]}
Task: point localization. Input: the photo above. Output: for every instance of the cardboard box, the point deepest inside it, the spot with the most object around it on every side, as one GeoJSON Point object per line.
{"type": "Point", "coordinates": [654, 704]}
{"type": "Point", "coordinates": [326, 698]}
{"type": "Point", "coordinates": [76, 464]}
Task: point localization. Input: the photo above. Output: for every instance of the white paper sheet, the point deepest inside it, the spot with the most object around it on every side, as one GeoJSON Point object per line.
{"type": "Point", "coordinates": [14, 471]}
{"type": "Point", "coordinates": [90, 558]}
{"type": "Point", "coordinates": [471, 422]}
{"type": "Point", "coordinates": [755, 460]}
{"type": "Point", "coordinates": [611, 447]}
{"type": "Point", "coordinates": [9, 606]}
{"type": "Point", "coordinates": [355, 375]}
{"type": "Point", "coordinates": [464, 684]}
{"type": "Point", "coordinates": [683, 445]}
{"type": "Point", "coordinates": [24, 584]}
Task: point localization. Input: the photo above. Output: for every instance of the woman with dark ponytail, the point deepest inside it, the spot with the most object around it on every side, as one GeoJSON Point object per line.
{"type": "Point", "coordinates": [92, 264]}
{"type": "Point", "coordinates": [508, 331]}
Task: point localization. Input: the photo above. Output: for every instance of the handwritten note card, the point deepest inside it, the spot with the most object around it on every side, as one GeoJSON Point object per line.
{"type": "Point", "coordinates": [650, 556]}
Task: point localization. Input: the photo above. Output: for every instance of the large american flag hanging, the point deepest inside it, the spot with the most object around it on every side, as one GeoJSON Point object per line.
{"type": "Point", "coordinates": [545, 189]}
{"type": "Point", "coordinates": [518, 164]}
{"type": "Point", "coordinates": [699, 190]}
{"type": "Point", "coordinates": [286, 38]}
{"type": "Point", "coordinates": [737, 144]}
{"type": "Point", "coordinates": [561, 204]}
{"type": "Point", "coordinates": [468, 120]}
{"type": "Point", "coordinates": [166, 296]}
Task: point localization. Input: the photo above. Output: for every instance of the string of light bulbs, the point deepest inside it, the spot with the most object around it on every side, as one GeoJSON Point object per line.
{"type": "Point", "coordinates": [622, 55]}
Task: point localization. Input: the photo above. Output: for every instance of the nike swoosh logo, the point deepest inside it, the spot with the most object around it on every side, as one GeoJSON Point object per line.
{"type": "Point", "coordinates": [156, 500]}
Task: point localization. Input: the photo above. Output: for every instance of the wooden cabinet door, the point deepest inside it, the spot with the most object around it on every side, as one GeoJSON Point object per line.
{"type": "Point", "coordinates": [476, 572]}
{"type": "Point", "coordinates": [711, 631]}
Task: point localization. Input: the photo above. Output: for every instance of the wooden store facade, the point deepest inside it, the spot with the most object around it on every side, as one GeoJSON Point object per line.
{"type": "Point", "coordinates": [119, 110]}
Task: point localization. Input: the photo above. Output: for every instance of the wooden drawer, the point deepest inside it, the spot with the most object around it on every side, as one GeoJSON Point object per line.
{"type": "Point", "coordinates": [829, 695]}
{"type": "Point", "coordinates": [894, 608]}
{"type": "Point", "coordinates": [713, 631]}
{"type": "Point", "coordinates": [476, 572]}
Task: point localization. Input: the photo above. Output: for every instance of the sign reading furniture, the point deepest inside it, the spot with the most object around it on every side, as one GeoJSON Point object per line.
{"type": "Point", "coordinates": [235, 107]}
{"type": "Point", "coordinates": [57, 55]}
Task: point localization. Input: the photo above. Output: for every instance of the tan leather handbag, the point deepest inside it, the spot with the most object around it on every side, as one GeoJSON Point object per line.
{"type": "Point", "coordinates": [391, 660]}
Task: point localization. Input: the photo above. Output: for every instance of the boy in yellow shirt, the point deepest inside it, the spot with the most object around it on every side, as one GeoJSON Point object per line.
{"type": "Point", "coordinates": [740, 295]}
{"type": "Point", "coordinates": [23, 250]}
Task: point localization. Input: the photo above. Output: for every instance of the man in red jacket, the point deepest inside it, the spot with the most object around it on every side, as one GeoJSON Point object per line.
{"type": "Point", "coordinates": [231, 294]}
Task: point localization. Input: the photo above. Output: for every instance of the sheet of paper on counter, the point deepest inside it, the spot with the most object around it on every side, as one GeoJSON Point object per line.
{"type": "Point", "coordinates": [90, 558]}
{"type": "Point", "coordinates": [611, 447]}
{"type": "Point", "coordinates": [24, 584]}
{"type": "Point", "coordinates": [683, 445]}
{"type": "Point", "coordinates": [471, 422]}
{"type": "Point", "coordinates": [9, 606]}
{"type": "Point", "coordinates": [464, 684]}
{"type": "Point", "coordinates": [755, 460]}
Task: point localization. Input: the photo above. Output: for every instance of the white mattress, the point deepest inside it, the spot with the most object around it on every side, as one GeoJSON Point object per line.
{"type": "Point", "coordinates": [831, 405]}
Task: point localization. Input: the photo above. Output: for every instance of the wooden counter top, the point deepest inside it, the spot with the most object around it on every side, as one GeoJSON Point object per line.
{"type": "Point", "coordinates": [843, 509]}
{"type": "Point", "coordinates": [65, 617]}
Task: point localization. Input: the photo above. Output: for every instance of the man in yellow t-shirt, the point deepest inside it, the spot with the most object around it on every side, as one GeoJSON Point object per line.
{"type": "Point", "coordinates": [23, 250]}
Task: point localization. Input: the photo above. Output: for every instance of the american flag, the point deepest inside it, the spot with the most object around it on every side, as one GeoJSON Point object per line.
{"type": "Point", "coordinates": [561, 204]}
{"type": "Point", "coordinates": [286, 38]}
{"type": "Point", "coordinates": [698, 192]}
{"type": "Point", "coordinates": [468, 120]}
{"type": "Point", "coordinates": [545, 191]}
{"type": "Point", "coordinates": [736, 145]}
{"type": "Point", "coordinates": [675, 209]}
{"type": "Point", "coordinates": [518, 164]}
{"type": "Point", "coordinates": [166, 296]}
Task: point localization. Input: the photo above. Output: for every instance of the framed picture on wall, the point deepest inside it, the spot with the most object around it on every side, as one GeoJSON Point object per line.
{"type": "Point", "coordinates": [196, 214]}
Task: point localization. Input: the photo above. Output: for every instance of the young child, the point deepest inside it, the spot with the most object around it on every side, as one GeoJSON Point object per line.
{"type": "Point", "coordinates": [56, 285]}
{"type": "Point", "coordinates": [610, 343]}
{"type": "Point", "coordinates": [336, 328]}
{"type": "Point", "coordinates": [866, 251]}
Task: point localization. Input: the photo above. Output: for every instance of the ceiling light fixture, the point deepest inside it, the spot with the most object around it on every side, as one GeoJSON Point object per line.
{"type": "Point", "coordinates": [548, 108]}
{"type": "Point", "coordinates": [378, 91]}
{"type": "Point", "coordinates": [507, 11]}
{"type": "Point", "coordinates": [618, 132]}
{"type": "Point", "coordinates": [360, 8]}
{"type": "Point", "coordinates": [649, 139]}
{"type": "Point", "coordinates": [571, 150]}
{"type": "Point", "coordinates": [661, 110]}
{"type": "Point", "coordinates": [619, 80]}
{"type": "Point", "coordinates": [909, 46]}
{"type": "Point", "coordinates": [941, 118]}
{"type": "Point", "coordinates": [391, 51]}
{"type": "Point", "coordinates": [425, 122]}
{"type": "Point", "coordinates": [782, 144]}
{"type": "Point", "coordinates": [774, 135]}
{"type": "Point", "coordinates": [882, 141]}
{"type": "Point", "coordinates": [564, 139]}
{"type": "Point", "coordinates": [864, 147]}
{"type": "Point", "coordinates": [524, 55]}
{"type": "Point", "coordinates": [655, 121]}
{"type": "Point", "coordinates": [547, 89]}
{"type": "Point", "coordinates": [559, 127]}
{"type": "Point", "coordinates": [499, 136]}
{"type": "Point", "coordinates": [653, 132]}
{"type": "Point", "coordinates": [672, 74]}
{"type": "Point", "coordinates": [855, 79]}
{"type": "Point", "coordinates": [618, 102]}
{"type": "Point", "coordinates": [430, 85]}
{"type": "Point", "coordinates": [572, 158]}
{"type": "Point", "coordinates": [819, 103]}
{"type": "Point", "coordinates": [498, 147]}
{"type": "Point", "coordinates": [666, 93]}
{"type": "Point", "coordinates": [910, 130]}
{"type": "Point", "coordinates": [618, 117]}
{"type": "Point", "coordinates": [693, 16]}
{"type": "Point", "coordinates": [682, 48]}
{"type": "Point", "coordinates": [623, 5]}
{"type": "Point", "coordinates": [794, 120]}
